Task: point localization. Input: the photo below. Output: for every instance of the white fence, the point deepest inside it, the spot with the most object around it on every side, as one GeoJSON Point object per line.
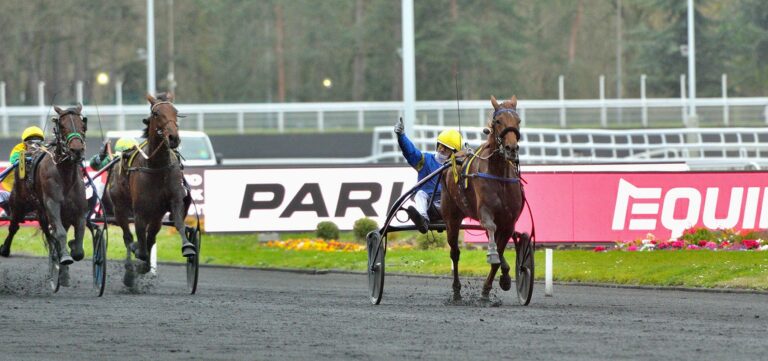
{"type": "Point", "coordinates": [700, 148]}
{"type": "Point", "coordinates": [361, 116]}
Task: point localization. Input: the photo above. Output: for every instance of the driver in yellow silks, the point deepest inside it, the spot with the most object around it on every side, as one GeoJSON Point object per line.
{"type": "Point", "coordinates": [32, 137]}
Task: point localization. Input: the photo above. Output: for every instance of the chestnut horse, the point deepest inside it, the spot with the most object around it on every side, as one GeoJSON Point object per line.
{"type": "Point", "coordinates": [149, 184]}
{"type": "Point", "coordinates": [58, 193]}
{"type": "Point", "coordinates": [488, 190]}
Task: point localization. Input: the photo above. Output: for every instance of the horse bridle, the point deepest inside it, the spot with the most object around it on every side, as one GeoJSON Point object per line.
{"type": "Point", "coordinates": [160, 132]}
{"type": "Point", "coordinates": [74, 134]}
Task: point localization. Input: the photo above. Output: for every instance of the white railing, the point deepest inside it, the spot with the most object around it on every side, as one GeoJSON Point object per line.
{"type": "Point", "coordinates": [701, 148]}
{"type": "Point", "coordinates": [362, 116]}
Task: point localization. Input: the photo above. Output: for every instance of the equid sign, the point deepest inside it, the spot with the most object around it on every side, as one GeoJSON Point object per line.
{"type": "Point", "coordinates": [567, 206]}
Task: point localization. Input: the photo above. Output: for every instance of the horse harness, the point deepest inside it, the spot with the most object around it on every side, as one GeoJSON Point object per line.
{"type": "Point", "coordinates": [129, 156]}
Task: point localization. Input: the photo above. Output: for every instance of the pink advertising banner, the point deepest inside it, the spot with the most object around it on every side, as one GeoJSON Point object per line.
{"type": "Point", "coordinates": [605, 207]}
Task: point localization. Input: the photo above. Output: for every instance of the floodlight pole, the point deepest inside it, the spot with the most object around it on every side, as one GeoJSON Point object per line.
{"type": "Point", "coordinates": [409, 67]}
{"type": "Point", "coordinates": [692, 117]}
{"type": "Point", "coordinates": [151, 87]}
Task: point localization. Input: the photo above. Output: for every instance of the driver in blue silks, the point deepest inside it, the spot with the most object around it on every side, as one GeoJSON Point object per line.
{"type": "Point", "coordinates": [448, 142]}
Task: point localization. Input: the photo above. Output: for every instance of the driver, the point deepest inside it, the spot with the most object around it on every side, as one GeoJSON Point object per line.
{"type": "Point", "coordinates": [31, 138]}
{"type": "Point", "coordinates": [448, 142]}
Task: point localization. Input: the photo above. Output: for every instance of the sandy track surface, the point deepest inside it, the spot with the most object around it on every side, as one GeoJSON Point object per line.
{"type": "Point", "coordinates": [253, 314]}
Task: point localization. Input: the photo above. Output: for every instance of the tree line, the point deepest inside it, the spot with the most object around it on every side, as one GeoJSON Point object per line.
{"type": "Point", "coordinates": [349, 50]}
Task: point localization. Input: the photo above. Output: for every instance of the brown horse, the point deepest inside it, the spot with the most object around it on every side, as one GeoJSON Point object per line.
{"type": "Point", "coordinates": [58, 192]}
{"type": "Point", "coordinates": [150, 185]}
{"type": "Point", "coordinates": [493, 194]}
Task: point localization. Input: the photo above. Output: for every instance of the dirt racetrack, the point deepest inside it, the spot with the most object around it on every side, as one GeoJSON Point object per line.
{"type": "Point", "coordinates": [264, 315]}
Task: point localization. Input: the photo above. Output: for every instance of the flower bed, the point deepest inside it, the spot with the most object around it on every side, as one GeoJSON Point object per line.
{"type": "Point", "coordinates": [316, 245]}
{"type": "Point", "coordinates": [697, 239]}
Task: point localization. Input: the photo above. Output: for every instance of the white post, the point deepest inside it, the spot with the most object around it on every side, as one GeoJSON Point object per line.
{"type": "Point", "coordinates": [119, 100]}
{"type": "Point", "coordinates": [548, 272]}
{"type": "Point", "coordinates": [321, 121]}
{"type": "Point", "coordinates": [280, 121]}
{"type": "Point", "coordinates": [200, 121]}
{"type": "Point", "coordinates": [41, 103]}
{"type": "Point", "coordinates": [693, 118]}
{"type": "Point", "coordinates": [561, 96]}
{"type": "Point", "coordinates": [409, 66]}
{"type": "Point", "coordinates": [3, 109]}
{"type": "Point", "coordinates": [240, 122]}
{"type": "Point", "coordinates": [360, 120]}
{"type": "Point", "coordinates": [441, 119]}
{"type": "Point", "coordinates": [603, 111]}
{"type": "Point", "coordinates": [151, 87]}
{"type": "Point", "coordinates": [643, 101]}
{"type": "Point", "coordinates": [726, 110]}
{"type": "Point", "coordinates": [683, 102]}
{"type": "Point", "coordinates": [79, 91]}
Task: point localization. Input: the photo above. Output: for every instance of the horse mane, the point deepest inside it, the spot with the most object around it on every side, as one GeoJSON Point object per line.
{"type": "Point", "coordinates": [163, 97]}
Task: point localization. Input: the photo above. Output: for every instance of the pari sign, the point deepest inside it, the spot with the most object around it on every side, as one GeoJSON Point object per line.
{"type": "Point", "coordinates": [240, 200]}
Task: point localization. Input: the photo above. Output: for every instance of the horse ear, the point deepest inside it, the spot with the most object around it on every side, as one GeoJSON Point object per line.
{"type": "Point", "coordinates": [151, 99]}
{"type": "Point", "coordinates": [170, 96]}
{"type": "Point", "coordinates": [145, 121]}
{"type": "Point", "coordinates": [58, 110]}
{"type": "Point", "coordinates": [513, 100]}
{"type": "Point", "coordinates": [79, 107]}
{"type": "Point", "coordinates": [494, 102]}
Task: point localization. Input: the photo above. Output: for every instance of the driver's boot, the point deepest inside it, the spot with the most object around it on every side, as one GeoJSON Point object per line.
{"type": "Point", "coordinates": [421, 222]}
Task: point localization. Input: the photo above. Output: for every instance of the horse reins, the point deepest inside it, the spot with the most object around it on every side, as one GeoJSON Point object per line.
{"type": "Point", "coordinates": [165, 142]}
{"type": "Point", "coordinates": [74, 134]}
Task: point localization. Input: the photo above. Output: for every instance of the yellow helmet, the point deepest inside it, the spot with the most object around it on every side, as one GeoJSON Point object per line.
{"type": "Point", "coordinates": [450, 138]}
{"type": "Point", "coordinates": [125, 143]}
{"type": "Point", "coordinates": [32, 132]}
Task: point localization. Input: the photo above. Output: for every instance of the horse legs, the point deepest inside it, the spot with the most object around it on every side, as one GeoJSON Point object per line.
{"type": "Point", "coordinates": [53, 208]}
{"type": "Point", "coordinates": [141, 234]}
{"type": "Point", "coordinates": [122, 220]}
{"type": "Point", "coordinates": [178, 214]}
{"type": "Point", "coordinates": [76, 245]}
{"type": "Point", "coordinates": [505, 282]}
{"type": "Point", "coordinates": [16, 218]}
{"type": "Point", "coordinates": [152, 228]}
{"type": "Point", "coordinates": [486, 219]}
{"type": "Point", "coordinates": [453, 241]}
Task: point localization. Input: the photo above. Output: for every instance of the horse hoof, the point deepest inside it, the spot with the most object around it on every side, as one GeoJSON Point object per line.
{"type": "Point", "coordinates": [188, 251]}
{"type": "Point", "coordinates": [142, 256]}
{"type": "Point", "coordinates": [5, 251]}
{"type": "Point", "coordinates": [64, 279]}
{"type": "Point", "coordinates": [505, 282]}
{"type": "Point", "coordinates": [66, 260]}
{"type": "Point", "coordinates": [128, 278]}
{"type": "Point", "coordinates": [77, 252]}
{"type": "Point", "coordinates": [142, 267]}
{"type": "Point", "coordinates": [493, 258]}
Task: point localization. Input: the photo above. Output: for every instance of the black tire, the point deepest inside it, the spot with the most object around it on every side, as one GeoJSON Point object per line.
{"type": "Point", "coordinates": [99, 261]}
{"type": "Point", "coordinates": [193, 262]}
{"type": "Point", "coordinates": [376, 253]}
{"type": "Point", "coordinates": [524, 269]}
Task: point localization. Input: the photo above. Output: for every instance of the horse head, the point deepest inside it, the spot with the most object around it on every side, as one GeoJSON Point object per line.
{"type": "Point", "coordinates": [504, 128]}
{"type": "Point", "coordinates": [70, 128]}
{"type": "Point", "coordinates": [163, 122]}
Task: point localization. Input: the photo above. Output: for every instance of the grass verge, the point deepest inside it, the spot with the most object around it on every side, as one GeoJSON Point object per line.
{"type": "Point", "coordinates": [721, 269]}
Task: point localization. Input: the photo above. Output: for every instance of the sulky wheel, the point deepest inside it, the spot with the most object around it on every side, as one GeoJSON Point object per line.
{"type": "Point", "coordinates": [99, 260]}
{"type": "Point", "coordinates": [524, 269]}
{"type": "Point", "coordinates": [376, 252]}
{"type": "Point", "coordinates": [193, 262]}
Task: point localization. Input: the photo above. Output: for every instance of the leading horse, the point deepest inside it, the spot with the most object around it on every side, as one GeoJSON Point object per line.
{"type": "Point", "coordinates": [150, 184]}
{"type": "Point", "coordinates": [489, 190]}
{"type": "Point", "coordinates": [57, 190]}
